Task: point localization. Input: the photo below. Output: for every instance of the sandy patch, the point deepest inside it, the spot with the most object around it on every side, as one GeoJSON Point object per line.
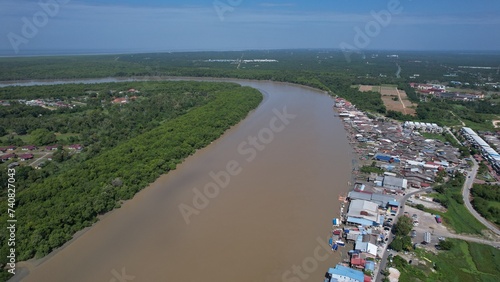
{"type": "Point", "coordinates": [365, 88]}
{"type": "Point", "coordinates": [496, 123]}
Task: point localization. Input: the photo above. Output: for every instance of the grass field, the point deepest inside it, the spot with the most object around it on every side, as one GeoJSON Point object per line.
{"type": "Point", "coordinates": [65, 136]}
{"type": "Point", "coordinates": [435, 136]}
{"type": "Point", "coordinates": [457, 217]}
{"type": "Point", "coordinates": [494, 204]}
{"type": "Point", "coordinates": [464, 262]}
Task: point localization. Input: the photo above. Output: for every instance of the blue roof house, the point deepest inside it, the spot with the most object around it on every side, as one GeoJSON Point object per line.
{"type": "Point", "coordinates": [345, 274]}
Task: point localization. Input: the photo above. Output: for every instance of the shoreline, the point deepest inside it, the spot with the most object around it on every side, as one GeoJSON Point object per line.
{"type": "Point", "coordinates": [24, 267]}
{"type": "Point", "coordinates": [111, 79]}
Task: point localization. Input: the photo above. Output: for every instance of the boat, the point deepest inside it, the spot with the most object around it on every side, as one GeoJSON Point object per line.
{"type": "Point", "coordinates": [335, 247]}
{"type": "Point", "coordinates": [340, 243]}
{"type": "Point", "coordinates": [336, 222]}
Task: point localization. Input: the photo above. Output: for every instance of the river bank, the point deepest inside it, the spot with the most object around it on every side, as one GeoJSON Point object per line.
{"type": "Point", "coordinates": [273, 221]}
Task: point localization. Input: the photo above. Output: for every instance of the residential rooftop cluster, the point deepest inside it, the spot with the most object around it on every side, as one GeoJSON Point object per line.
{"type": "Point", "coordinates": [241, 61]}
{"type": "Point", "coordinates": [487, 152]}
{"type": "Point", "coordinates": [364, 229]}
{"type": "Point", "coordinates": [402, 159]}
{"type": "Point", "coordinates": [19, 155]}
{"type": "Point", "coordinates": [399, 148]}
{"type": "Point", "coordinates": [123, 100]}
{"type": "Point", "coordinates": [46, 103]}
{"type": "Point", "coordinates": [440, 91]}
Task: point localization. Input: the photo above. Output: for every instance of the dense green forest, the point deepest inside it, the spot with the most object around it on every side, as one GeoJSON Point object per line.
{"type": "Point", "coordinates": [99, 123]}
{"type": "Point", "coordinates": [487, 201]}
{"type": "Point", "coordinates": [180, 118]}
{"type": "Point", "coordinates": [371, 66]}
{"type": "Point", "coordinates": [323, 69]}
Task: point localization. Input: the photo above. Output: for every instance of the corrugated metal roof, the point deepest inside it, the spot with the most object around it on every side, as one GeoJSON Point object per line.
{"type": "Point", "coordinates": [341, 270]}
{"type": "Point", "coordinates": [394, 181]}
{"type": "Point", "coordinates": [360, 221]}
{"type": "Point", "coordinates": [369, 265]}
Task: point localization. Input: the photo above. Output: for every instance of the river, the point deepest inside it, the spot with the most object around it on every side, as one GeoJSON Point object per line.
{"type": "Point", "coordinates": [266, 218]}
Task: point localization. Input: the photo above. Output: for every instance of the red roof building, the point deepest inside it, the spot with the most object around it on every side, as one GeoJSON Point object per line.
{"type": "Point", "coordinates": [7, 157]}
{"type": "Point", "coordinates": [357, 262]}
{"type": "Point", "coordinates": [120, 101]}
{"type": "Point", "coordinates": [75, 147]}
{"type": "Point", "coordinates": [26, 157]}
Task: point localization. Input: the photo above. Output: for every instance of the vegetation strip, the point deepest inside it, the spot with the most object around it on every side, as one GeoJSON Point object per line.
{"type": "Point", "coordinates": [52, 210]}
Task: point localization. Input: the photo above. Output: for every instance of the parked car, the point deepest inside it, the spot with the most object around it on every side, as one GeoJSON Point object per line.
{"type": "Point", "coordinates": [441, 238]}
{"type": "Point", "coordinates": [413, 233]}
{"type": "Point", "coordinates": [438, 219]}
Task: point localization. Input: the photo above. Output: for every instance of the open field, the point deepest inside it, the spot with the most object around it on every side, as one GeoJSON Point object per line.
{"type": "Point", "coordinates": [394, 99]}
{"type": "Point", "coordinates": [470, 262]}
{"type": "Point", "coordinates": [365, 88]}
{"type": "Point", "coordinates": [458, 218]}
{"type": "Point", "coordinates": [436, 136]}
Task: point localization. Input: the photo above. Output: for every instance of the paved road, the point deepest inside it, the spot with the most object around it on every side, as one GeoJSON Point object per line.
{"type": "Point", "coordinates": [38, 160]}
{"type": "Point", "coordinates": [466, 196]}
{"type": "Point", "coordinates": [465, 193]}
{"type": "Point", "coordinates": [401, 210]}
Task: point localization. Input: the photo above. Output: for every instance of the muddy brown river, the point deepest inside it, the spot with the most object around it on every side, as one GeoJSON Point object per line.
{"type": "Point", "coordinates": [255, 205]}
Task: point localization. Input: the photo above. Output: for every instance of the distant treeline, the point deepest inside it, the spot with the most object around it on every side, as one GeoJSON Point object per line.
{"type": "Point", "coordinates": [323, 69]}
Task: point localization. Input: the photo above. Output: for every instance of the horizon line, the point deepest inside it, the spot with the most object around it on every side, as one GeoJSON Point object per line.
{"type": "Point", "coordinates": [103, 52]}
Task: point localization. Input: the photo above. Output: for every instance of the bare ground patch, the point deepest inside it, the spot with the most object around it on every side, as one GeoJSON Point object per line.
{"type": "Point", "coordinates": [496, 123]}
{"type": "Point", "coordinates": [394, 99]}
{"type": "Point", "coordinates": [366, 88]}
{"type": "Point", "coordinates": [397, 100]}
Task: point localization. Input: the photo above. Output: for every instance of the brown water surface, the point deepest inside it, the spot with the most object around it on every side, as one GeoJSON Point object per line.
{"type": "Point", "coordinates": [265, 221]}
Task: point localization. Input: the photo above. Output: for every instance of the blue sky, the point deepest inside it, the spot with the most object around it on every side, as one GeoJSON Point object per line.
{"type": "Point", "coordinates": [154, 25]}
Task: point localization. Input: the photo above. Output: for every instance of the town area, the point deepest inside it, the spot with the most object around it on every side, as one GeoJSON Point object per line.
{"type": "Point", "coordinates": [393, 210]}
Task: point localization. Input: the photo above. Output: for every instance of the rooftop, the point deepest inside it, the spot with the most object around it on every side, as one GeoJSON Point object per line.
{"type": "Point", "coordinates": [364, 209]}
{"type": "Point", "coordinates": [341, 270]}
{"type": "Point", "coordinates": [395, 181]}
